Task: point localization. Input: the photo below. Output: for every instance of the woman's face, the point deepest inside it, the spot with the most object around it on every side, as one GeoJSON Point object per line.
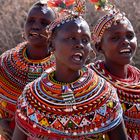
{"type": "Point", "coordinates": [36, 24]}
{"type": "Point", "coordinates": [119, 43]}
{"type": "Point", "coordinates": [72, 44]}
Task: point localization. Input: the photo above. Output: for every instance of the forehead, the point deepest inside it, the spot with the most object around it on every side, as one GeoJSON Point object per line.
{"type": "Point", "coordinates": [123, 26]}
{"type": "Point", "coordinates": [36, 11]}
{"type": "Point", "coordinates": [73, 26]}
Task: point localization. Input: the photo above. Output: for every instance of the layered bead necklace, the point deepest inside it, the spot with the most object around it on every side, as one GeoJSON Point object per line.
{"type": "Point", "coordinates": [80, 109]}
{"type": "Point", "coordinates": [129, 94]}
{"type": "Point", "coordinates": [17, 71]}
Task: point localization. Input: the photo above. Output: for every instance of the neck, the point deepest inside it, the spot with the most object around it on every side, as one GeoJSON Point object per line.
{"type": "Point", "coordinates": [117, 70]}
{"type": "Point", "coordinates": [66, 75]}
{"type": "Point", "coordinates": [37, 53]}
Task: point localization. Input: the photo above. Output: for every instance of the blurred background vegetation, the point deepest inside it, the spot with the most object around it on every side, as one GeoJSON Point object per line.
{"type": "Point", "coordinates": [13, 14]}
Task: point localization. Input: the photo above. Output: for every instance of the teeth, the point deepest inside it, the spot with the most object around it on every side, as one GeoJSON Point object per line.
{"type": "Point", "coordinates": [77, 59]}
{"type": "Point", "coordinates": [125, 51]}
{"type": "Point", "coordinates": [33, 33]}
{"type": "Point", "coordinates": [78, 54]}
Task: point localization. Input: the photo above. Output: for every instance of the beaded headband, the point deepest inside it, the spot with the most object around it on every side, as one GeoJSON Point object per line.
{"type": "Point", "coordinates": [113, 17]}
{"type": "Point", "coordinates": [67, 10]}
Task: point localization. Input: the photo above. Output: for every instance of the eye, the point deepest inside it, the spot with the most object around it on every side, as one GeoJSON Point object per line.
{"type": "Point", "coordinates": [85, 40]}
{"type": "Point", "coordinates": [115, 38]}
{"type": "Point", "coordinates": [44, 23]}
{"type": "Point", "coordinates": [71, 38]}
{"type": "Point", "coordinates": [130, 35]}
{"type": "Point", "coordinates": [30, 21]}
{"type": "Point", "coordinates": [68, 39]}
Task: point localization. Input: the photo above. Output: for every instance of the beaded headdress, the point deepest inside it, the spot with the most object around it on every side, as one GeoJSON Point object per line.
{"type": "Point", "coordinates": [67, 10]}
{"type": "Point", "coordinates": [112, 17]}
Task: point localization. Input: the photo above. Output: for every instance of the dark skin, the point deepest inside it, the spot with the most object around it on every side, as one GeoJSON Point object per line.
{"type": "Point", "coordinates": [71, 45]}
{"type": "Point", "coordinates": [35, 26]}
{"type": "Point", "coordinates": [37, 49]}
{"type": "Point", "coordinates": [118, 133]}
{"type": "Point", "coordinates": [5, 132]}
{"type": "Point", "coordinates": [70, 69]}
{"type": "Point", "coordinates": [67, 43]}
{"type": "Point", "coordinates": [117, 39]}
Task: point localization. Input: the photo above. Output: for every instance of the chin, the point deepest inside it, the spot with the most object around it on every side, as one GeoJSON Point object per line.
{"type": "Point", "coordinates": [76, 68]}
{"type": "Point", "coordinates": [125, 62]}
{"type": "Point", "coordinates": [36, 43]}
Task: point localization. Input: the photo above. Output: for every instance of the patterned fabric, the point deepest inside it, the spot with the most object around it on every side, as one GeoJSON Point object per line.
{"type": "Point", "coordinates": [129, 94]}
{"type": "Point", "coordinates": [77, 110]}
{"type": "Point", "coordinates": [16, 70]}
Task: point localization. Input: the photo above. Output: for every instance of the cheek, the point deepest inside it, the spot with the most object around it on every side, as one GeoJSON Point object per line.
{"type": "Point", "coordinates": [27, 26]}
{"type": "Point", "coordinates": [88, 51]}
{"type": "Point", "coordinates": [134, 43]}
{"type": "Point", "coordinates": [61, 51]}
{"type": "Point", "coordinates": [62, 47]}
{"type": "Point", "coordinates": [108, 51]}
{"type": "Point", "coordinates": [26, 29]}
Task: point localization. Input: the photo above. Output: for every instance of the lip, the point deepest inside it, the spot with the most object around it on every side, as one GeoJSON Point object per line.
{"type": "Point", "coordinates": [34, 35]}
{"type": "Point", "coordinates": [78, 58]}
{"type": "Point", "coordinates": [126, 52]}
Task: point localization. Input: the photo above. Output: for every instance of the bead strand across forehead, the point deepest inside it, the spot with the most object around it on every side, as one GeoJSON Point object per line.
{"type": "Point", "coordinates": [112, 17]}
{"type": "Point", "coordinates": [66, 12]}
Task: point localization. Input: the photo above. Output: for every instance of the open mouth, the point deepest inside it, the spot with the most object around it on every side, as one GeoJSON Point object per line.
{"type": "Point", "coordinates": [34, 34]}
{"type": "Point", "coordinates": [126, 51]}
{"type": "Point", "coordinates": [77, 57]}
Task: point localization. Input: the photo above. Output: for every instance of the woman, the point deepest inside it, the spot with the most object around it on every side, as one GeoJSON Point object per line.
{"type": "Point", "coordinates": [72, 101]}
{"type": "Point", "coordinates": [25, 62]}
{"type": "Point", "coordinates": [115, 38]}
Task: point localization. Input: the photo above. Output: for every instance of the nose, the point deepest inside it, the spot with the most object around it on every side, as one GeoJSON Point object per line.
{"type": "Point", "coordinates": [79, 44]}
{"type": "Point", "coordinates": [125, 41]}
{"type": "Point", "coordinates": [36, 26]}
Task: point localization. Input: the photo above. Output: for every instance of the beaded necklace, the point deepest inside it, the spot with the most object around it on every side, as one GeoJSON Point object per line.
{"type": "Point", "coordinates": [16, 71]}
{"type": "Point", "coordinates": [80, 109]}
{"type": "Point", "coordinates": [129, 94]}
{"type": "Point", "coordinates": [128, 88]}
